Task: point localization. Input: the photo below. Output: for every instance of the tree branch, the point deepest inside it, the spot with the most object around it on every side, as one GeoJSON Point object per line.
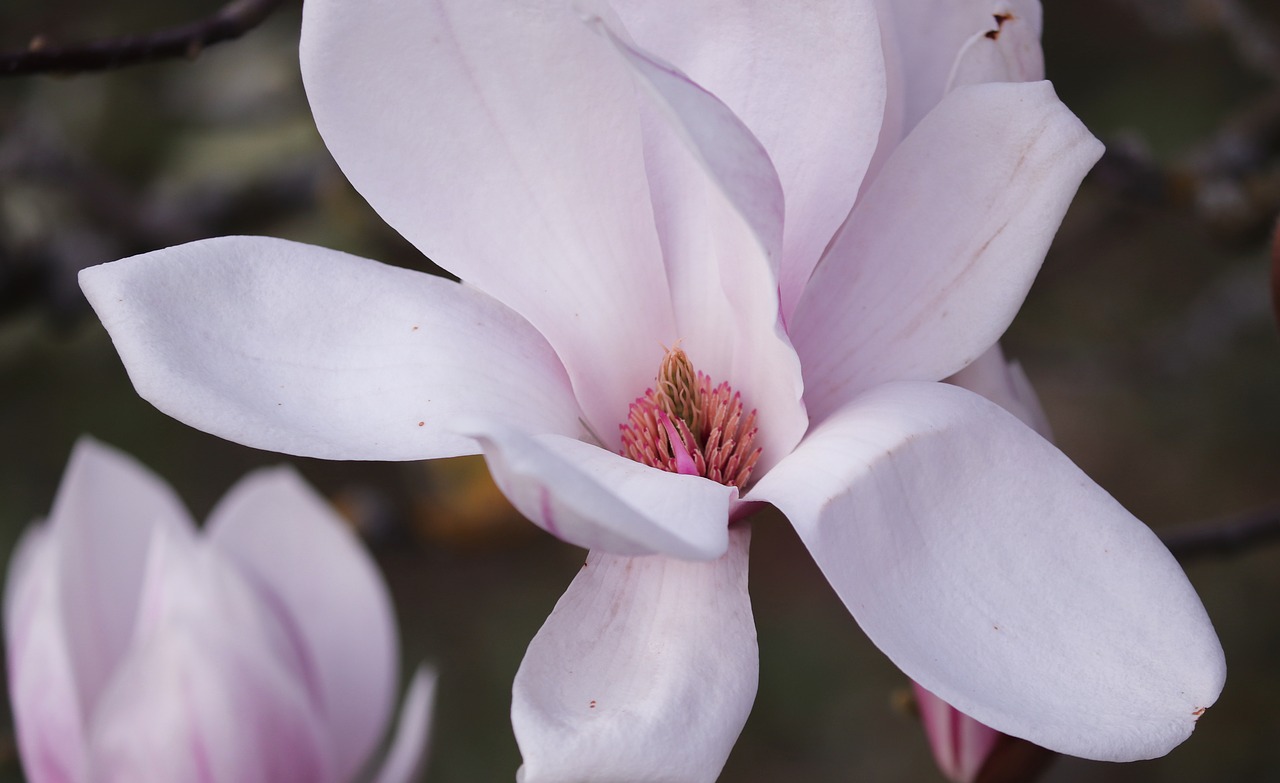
{"type": "Point", "coordinates": [1224, 537]}
{"type": "Point", "coordinates": [1275, 273]}
{"type": "Point", "coordinates": [231, 21]}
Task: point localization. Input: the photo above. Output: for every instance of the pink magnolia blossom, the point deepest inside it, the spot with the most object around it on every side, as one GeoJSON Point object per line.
{"type": "Point", "coordinates": [259, 649]}
{"type": "Point", "coordinates": [825, 210]}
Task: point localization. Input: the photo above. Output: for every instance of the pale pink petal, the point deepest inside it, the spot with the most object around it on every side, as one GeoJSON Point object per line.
{"type": "Point", "coordinates": [940, 44]}
{"type": "Point", "coordinates": [1004, 383]}
{"type": "Point", "coordinates": [718, 207]}
{"type": "Point", "coordinates": [210, 690]}
{"type": "Point", "coordinates": [47, 712]}
{"type": "Point", "coordinates": [30, 557]}
{"type": "Point", "coordinates": [806, 78]}
{"type": "Point", "coordinates": [938, 256]}
{"type": "Point", "coordinates": [597, 499]}
{"type": "Point", "coordinates": [308, 351]}
{"type": "Point", "coordinates": [183, 709]}
{"type": "Point", "coordinates": [1008, 53]}
{"type": "Point", "coordinates": [645, 671]}
{"type": "Point", "coordinates": [998, 576]}
{"type": "Point", "coordinates": [407, 755]}
{"type": "Point", "coordinates": [107, 509]}
{"type": "Point", "coordinates": [303, 559]}
{"type": "Point", "coordinates": [715, 144]}
{"type": "Point", "coordinates": [960, 744]}
{"type": "Point", "coordinates": [503, 139]}
{"type": "Point", "coordinates": [934, 46]}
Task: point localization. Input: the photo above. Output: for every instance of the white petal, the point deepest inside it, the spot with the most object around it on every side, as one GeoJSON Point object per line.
{"type": "Point", "coordinates": [718, 207]}
{"type": "Point", "coordinates": [503, 139]}
{"type": "Point", "coordinates": [942, 44]}
{"type": "Point", "coordinates": [1009, 53]}
{"type": "Point", "coordinates": [806, 77]}
{"type": "Point", "coordinates": [107, 509]}
{"type": "Point", "coordinates": [597, 499]}
{"type": "Point", "coordinates": [998, 576]}
{"type": "Point", "coordinates": [645, 671]}
{"type": "Point", "coordinates": [408, 752]}
{"type": "Point", "coordinates": [47, 714]}
{"type": "Point", "coordinates": [302, 556]}
{"type": "Point", "coordinates": [298, 349]}
{"type": "Point", "coordinates": [212, 688]}
{"type": "Point", "coordinates": [937, 258]}
{"type": "Point", "coordinates": [723, 148]}
{"type": "Point", "coordinates": [1006, 384]}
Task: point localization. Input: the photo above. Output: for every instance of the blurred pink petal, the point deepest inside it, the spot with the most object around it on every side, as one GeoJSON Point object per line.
{"type": "Point", "coordinates": [960, 744]}
{"type": "Point", "coordinates": [210, 689]}
{"type": "Point", "coordinates": [262, 650]}
{"type": "Point", "coordinates": [48, 717]}
{"type": "Point", "coordinates": [106, 512]}
{"type": "Point", "coordinates": [408, 752]}
{"type": "Point", "coordinates": [305, 561]}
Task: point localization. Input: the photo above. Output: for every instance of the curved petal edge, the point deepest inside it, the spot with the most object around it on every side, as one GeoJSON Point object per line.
{"type": "Point", "coordinates": [993, 572]}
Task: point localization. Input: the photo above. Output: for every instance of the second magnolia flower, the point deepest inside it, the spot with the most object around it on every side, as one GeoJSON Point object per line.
{"type": "Point", "coordinates": [261, 649]}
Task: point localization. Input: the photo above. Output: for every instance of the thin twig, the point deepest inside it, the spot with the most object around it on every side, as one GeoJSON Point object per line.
{"type": "Point", "coordinates": [1275, 272]}
{"type": "Point", "coordinates": [1225, 536]}
{"type": "Point", "coordinates": [231, 21]}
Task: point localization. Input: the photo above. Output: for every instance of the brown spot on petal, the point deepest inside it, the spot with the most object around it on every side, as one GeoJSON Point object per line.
{"type": "Point", "coordinates": [1000, 20]}
{"type": "Point", "coordinates": [1199, 712]}
{"type": "Point", "coordinates": [592, 705]}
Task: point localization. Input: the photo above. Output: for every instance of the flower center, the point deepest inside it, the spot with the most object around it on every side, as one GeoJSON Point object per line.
{"type": "Point", "coordinates": [689, 426]}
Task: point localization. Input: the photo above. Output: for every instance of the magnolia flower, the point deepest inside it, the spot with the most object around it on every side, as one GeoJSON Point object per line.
{"type": "Point", "coordinates": [713, 254]}
{"type": "Point", "coordinates": [261, 648]}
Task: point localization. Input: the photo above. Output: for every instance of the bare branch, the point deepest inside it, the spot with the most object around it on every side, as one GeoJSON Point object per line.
{"type": "Point", "coordinates": [231, 21]}
{"type": "Point", "coordinates": [1223, 537]}
{"type": "Point", "coordinates": [1254, 41]}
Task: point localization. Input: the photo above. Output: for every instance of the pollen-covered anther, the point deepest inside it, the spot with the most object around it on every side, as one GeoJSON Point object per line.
{"type": "Point", "coordinates": [689, 426]}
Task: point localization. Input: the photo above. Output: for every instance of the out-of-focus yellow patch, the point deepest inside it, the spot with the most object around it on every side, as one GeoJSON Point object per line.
{"type": "Point", "coordinates": [459, 505]}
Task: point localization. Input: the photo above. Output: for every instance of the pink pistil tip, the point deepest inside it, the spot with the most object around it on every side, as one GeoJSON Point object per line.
{"type": "Point", "coordinates": [685, 463]}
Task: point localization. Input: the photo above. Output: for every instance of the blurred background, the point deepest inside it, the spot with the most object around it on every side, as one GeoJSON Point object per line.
{"type": "Point", "coordinates": [1149, 336]}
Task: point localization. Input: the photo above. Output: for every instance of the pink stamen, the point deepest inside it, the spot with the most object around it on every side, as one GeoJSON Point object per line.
{"type": "Point", "coordinates": [689, 426]}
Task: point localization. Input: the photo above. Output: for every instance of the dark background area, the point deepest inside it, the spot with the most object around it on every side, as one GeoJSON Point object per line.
{"type": "Point", "coordinates": [1149, 337]}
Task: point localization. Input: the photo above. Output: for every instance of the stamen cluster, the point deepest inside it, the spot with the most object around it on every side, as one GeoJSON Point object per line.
{"type": "Point", "coordinates": [689, 426]}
